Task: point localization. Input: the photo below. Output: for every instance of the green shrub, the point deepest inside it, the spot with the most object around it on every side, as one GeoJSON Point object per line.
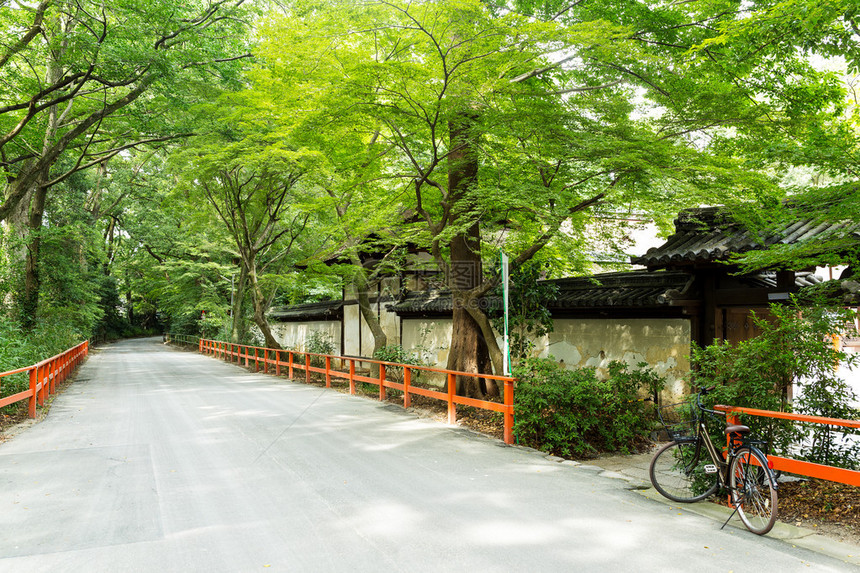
{"type": "Point", "coordinates": [319, 342]}
{"type": "Point", "coordinates": [794, 350]}
{"type": "Point", "coordinates": [20, 347]}
{"type": "Point", "coordinates": [396, 353]}
{"type": "Point", "coordinates": [574, 413]}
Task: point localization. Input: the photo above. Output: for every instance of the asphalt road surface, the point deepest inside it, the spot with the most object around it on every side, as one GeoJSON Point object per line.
{"type": "Point", "coordinates": [160, 460]}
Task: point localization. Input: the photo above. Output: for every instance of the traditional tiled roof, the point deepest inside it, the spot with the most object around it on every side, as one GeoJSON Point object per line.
{"type": "Point", "coordinates": [430, 302]}
{"type": "Point", "coordinates": [630, 289]}
{"type": "Point", "coordinates": [768, 280]}
{"type": "Point", "coordinates": [706, 235]}
{"type": "Point", "coordinates": [327, 310]}
{"type": "Point", "coordinates": [626, 289]}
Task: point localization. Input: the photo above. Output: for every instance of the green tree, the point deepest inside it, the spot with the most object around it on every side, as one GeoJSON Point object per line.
{"type": "Point", "coordinates": [817, 48]}
{"type": "Point", "coordinates": [529, 317]}
{"type": "Point", "coordinates": [74, 93]}
{"type": "Point", "coordinates": [793, 353]}
{"type": "Point", "coordinates": [491, 125]}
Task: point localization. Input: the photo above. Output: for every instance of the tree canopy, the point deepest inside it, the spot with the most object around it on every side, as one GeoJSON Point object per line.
{"type": "Point", "coordinates": [191, 154]}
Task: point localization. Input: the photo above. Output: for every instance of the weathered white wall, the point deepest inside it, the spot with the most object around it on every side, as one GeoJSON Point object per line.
{"type": "Point", "coordinates": [663, 343]}
{"type": "Point", "coordinates": [390, 324]}
{"type": "Point", "coordinates": [294, 334]}
{"type": "Point", "coordinates": [355, 326]}
{"type": "Point", "coordinates": [351, 332]}
{"type": "Point", "coordinates": [430, 338]}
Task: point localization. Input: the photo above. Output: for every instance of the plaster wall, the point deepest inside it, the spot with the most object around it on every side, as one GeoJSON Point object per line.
{"type": "Point", "coordinates": [357, 336]}
{"type": "Point", "coordinates": [429, 338]}
{"type": "Point", "coordinates": [663, 343]}
{"type": "Point", "coordinates": [294, 334]}
{"type": "Point", "coordinates": [351, 332]}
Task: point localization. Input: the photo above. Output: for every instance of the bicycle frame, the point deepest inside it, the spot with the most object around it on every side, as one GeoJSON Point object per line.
{"type": "Point", "coordinates": [721, 463]}
{"type": "Point", "coordinates": [720, 458]}
{"type": "Point", "coordinates": [680, 470]}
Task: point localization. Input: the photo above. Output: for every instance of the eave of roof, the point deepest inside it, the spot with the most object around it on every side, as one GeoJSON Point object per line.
{"type": "Point", "coordinates": [636, 289]}
{"type": "Point", "coordinates": [704, 236]}
{"type": "Point", "coordinates": [326, 310]}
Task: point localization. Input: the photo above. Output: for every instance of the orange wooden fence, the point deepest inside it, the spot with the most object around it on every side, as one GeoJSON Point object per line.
{"type": "Point", "coordinates": [810, 469]}
{"type": "Point", "coordinates": [45, 376]}
{"type": "Point", "coordinates": [281, 360]}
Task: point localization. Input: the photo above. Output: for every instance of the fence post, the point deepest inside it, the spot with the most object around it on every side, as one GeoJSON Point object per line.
{"type": "Point", "coordinates": [45, 376]}
{"type": "Point", "coordinates": [407, 381]}
{"type": "Point", "coordinates": [291, 365]}
{"type": "Point", "coordinates": [452, 387]}
{"type": "Point", "coordinates": [352, 376]}
{"type": "Point", "coordinates": [201, 345]}
{"type": "Point", "coordinates": [34, 380]}
{"type": "Point", "coordinates": [509, 411]}
{"type": "Point", "coordinates": [382, 381]}
{"type": "Point", "coordinates": [328, 371]}
{"type": "Point", "coordinates": [307, 368]}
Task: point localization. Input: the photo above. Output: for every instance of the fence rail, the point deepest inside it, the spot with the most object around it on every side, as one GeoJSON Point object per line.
{"type": "Point", "coordinates": [45, 376]}
{"type": "Point", "coordinates": [291, 361]}
{"type": "Point", "coordinates": [183, 339]}
{"type": "Point", "coordinates": [799, 467]}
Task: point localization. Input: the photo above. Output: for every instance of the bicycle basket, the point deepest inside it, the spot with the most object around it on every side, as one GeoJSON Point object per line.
{"type": "Point", "coordinates": [679, 420]}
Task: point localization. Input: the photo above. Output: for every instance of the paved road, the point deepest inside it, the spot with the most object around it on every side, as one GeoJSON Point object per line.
{"type": "Point", "coordinates": [161, 460]}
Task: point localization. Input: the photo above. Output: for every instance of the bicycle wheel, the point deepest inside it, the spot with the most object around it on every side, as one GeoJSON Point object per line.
{"type": "Point", "coordinates": [678, 472]}
{"type": "Point", "coordinates": [753, 490]}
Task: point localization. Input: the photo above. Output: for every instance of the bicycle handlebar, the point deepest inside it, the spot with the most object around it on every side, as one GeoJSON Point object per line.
{"type": "Point", "coordinates": [704, 392]}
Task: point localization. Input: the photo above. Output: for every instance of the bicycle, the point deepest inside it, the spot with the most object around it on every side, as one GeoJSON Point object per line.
{"type": "Point", "coordinates": [680, 470]}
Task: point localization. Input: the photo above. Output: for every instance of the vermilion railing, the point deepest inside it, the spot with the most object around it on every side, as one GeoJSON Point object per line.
{"type": "Point", "coordinates": [799, 467]}
{"type": "Point", "coordinates": [279, 360]}
{"type": "Point", "coordinates": [45, 376]}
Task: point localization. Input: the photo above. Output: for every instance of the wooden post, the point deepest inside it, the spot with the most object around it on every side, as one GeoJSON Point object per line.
{"type": "Point", "coordinates": [291, 365]}
{"type": "Point", "coordinates": [407, 381]}
{"type": "Point", "coordinates": [509, 411]}
{"type": "Point", "coordinates": [307, 368]}
{"type": "Point", "coordinates": [452, 387]}
{"type": "Point", "coordinates": [44, 376]}
{"type": "Point", "coordinates": [352, 376]}
{"type": "Point", "coordinates": [34, 382]}
{"type": "Point", "coordinates": [328, 371]}
{"type": "Point", "coordinates": [382, 381]}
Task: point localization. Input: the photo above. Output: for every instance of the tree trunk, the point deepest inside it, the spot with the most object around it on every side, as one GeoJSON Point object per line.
{"type": "Point", "coordinates": [260, 307]}
{"type": "Point", "coordinates": [32, 281]}
{"type": "Point", "coordinates": [362, 287]}
{"type": "Point", "coordinates": [469, 350]}
{"type": "Point", "coordinates": [19, 259]}
{"type": "Point", "coordinates": [238, 328]}
{"type": "Point", "coordinates": [33, 205]}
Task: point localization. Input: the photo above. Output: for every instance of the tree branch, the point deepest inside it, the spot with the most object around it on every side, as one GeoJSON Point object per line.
{"type": "Point", "coordinates": [28, 36]}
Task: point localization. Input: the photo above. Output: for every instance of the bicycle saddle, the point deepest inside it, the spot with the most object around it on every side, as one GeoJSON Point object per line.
{"type": "Point", "coordinates": [738, 429]}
